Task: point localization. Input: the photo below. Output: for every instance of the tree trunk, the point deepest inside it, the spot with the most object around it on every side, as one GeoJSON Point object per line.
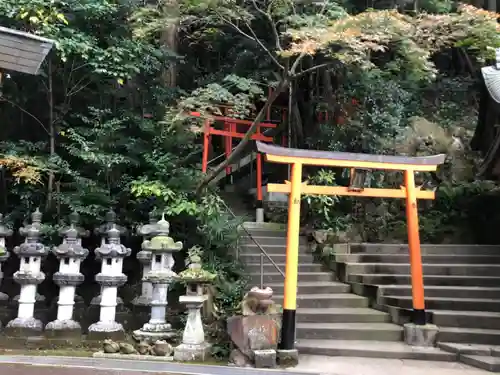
{"type": "Point", "coordinates": [168, 39]}
{"type": "Point", "coordinates": [52, 136]}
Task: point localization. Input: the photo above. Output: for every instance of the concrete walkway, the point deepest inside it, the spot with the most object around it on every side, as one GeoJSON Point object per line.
{"type": "Point", "coordinates": [376, 366]}
{"type": "Point", "coordinates": [38, 365]}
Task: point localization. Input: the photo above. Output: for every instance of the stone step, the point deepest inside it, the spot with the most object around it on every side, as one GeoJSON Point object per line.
{"type": "Point", "coordinates": [341, 315]}
{"type": "Point", "coordinates": [256, 232]}
{"type": "Point", "coordinates": [428, 269]}
{"type": "Point", "coordinates": [469, 335]}
{"type": "Point", "coordinates": [385, 279]}
{"type": "Point", "coordinates": [327, 300]}
{"type": "Point", "coordinates": [470, 319]}
{"type": "Point", "coordinates": [372, 349]}
{"type": "Point", "coordinates": [426, 249]}
{"type": "Point", "coordinates": [350, 331]}
{"type": "Point", "coordinates": [426, 259]}
{"type": "Point", "coordinates": [254, 257]}
{"type": "Point", "coordinates": [268, 240]}
{"type": "Point", "coordinates": [442, 303]}
{"type": "Point", "coordinates": [269, 267]}
{"type": "Point", "coordinates": [443, 291]}
{"type": "Point", "coordinates": [252, 248]}
{"type": "Point", "coordinates": [471, 349]}
{"type": "Point", "coordinates": [313, 287]}
{"type": "Point", "coordinates": [275, 277]}
{"type": "Point", "coordinates": [484, 362]}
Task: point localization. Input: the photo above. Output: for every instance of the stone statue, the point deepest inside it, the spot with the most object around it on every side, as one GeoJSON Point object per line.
{"type": "Point", "coordinates": [258, 301]}
{"type": "Point", "coordinates": [255, 332]}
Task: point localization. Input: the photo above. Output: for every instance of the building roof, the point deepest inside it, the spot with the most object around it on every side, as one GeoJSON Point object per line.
{"type": "Point", "coordinates": [486, 137]}
{"type": "Point", "coordinates": [22, 52]}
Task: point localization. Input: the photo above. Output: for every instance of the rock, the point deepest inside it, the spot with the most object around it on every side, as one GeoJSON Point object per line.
{"type": "Point", "coordinates": [162, 349]}
{"type": "Point", "coordinates": [257, 332]}
{"type": "Point", "coordinates": [265, 358]}
{"type": "Point", "coordinates": [109, 346]}
{"type": "Point", "coordinates": [320, 236]}
{"type": "Point", "coordinates": [126, 348]}
{"type": "Point", "coordinates": [238, 359]}
{"type": "Point", "coordinates": [143, 348]}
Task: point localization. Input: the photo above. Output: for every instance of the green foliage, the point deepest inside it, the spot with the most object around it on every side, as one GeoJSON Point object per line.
{"type": "Point", "coordinates": [102, 127]}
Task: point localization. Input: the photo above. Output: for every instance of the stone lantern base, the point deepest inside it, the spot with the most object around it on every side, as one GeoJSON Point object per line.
{"type": "Point", "coordinates": [106, 330]}
{"type": "Point", "coordinates": [24, 327]}
{"type": "Point", "coordinates": [64, 329]}
{"type": "Point", "coordinates": [154, 332]}
{"type": "Point", "coordinates": [192, 352]}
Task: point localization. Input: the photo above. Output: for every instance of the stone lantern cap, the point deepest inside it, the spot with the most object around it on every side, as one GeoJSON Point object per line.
{"type": "Point", "coordinates": [71, 247]}
{"type": "Point", "coordinates": [32, 246]}
{"type": "Point", "coordinates": [160, 241]}
{"type": "Point", "coordinates": [113, 249]}
{"type": "Point", "coordinates": [195, 274]}
{"type": "Point", "coordinates": [4, 232]}
{"type": "Point", "coordinates": [110, 223]}
{"type": "Point", "coordinates": [74, 220]}
{"type": "Point", "coordinates": [148, 230]}
{"type": "Point", "coordinates": [145, 256]}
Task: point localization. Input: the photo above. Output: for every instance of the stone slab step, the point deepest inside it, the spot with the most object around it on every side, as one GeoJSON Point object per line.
{"type": "Point", "coordinates": [385, 279]}
{"type": "Point", "coordinates": [276, 277]}
{"type": "Point", "coordinates": [484, 362]}
{"type": "Point", "coordinates": [470, 349]}
{"type": "Point", "coordinates": [427, 259]}
{"type": "Point", "coordinates": [341, 315]}
{"type": "Point", "coordinates": [350, 331]}
{"type": "Point", "coordinates": [442, 303]}
{"type": "Point", "coordinates": [327, 300]}
{"type": "Point", "coordinates": [444, 291]}
{"type": "Point", "coordinates": [469, 335]}
{"type": "Point", "coordinates": [252, 248]}
{"type": "Point", "coordinates": [372, 349]}
{"type": "Point", "coordinates": [428, 269]}
{"type": "Point", "coordinates": [313, 287]}
{"type": "Point", "coordinates": [269, 240]}
{"type": "Point", "coordinates": [269, 267]}
{"type": "Point", "coordinates": [469, 319]}
{"type": "Point", "coordinates": [263, 233]}
{"type": "Point", "coordinates": [426, 249]}
{"type": "Point", "coordinates": [254, 257]}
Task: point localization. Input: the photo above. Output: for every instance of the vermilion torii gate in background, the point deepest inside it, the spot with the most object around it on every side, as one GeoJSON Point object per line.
{"type": "Point", "coordinates": [236, 128]}
{"type": "Point", "coordinates": [297, 158]}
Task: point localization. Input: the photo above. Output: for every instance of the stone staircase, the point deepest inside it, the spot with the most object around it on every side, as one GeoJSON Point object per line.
{"type": "Point", "coordinates": [462, 291]}
{"type": "Point", "coordinates": [331, 320]}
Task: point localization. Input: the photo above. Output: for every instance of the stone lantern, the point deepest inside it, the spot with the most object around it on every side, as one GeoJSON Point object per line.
{"type": "Point", "coordinates": [193, 346]}
{"type": "Point", "coordinates": [142, 302]}
{"type": "Point", "coordinates": [160, 276]}
{"type": "Point", "coordinates": [102, 231]}
{"type": "Point", "coordinates": [70, 254]}
{"type": "Point", "coordinates": [111, 277]}
{"type": "Point", "coordinates": [4, 255]}
{"type": "Point", "coordinates": [29, 276]}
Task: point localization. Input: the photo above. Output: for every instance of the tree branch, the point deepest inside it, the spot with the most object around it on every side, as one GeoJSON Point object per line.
{"type": "Point", "coordinates": [296, 64]}
{"type": "Point", "coordinates": [273, 25]}
{"type": "Point", "coordinates": [264, 47]}
{"type": "Point", "coordinates": [247, 138]}
{"type": "Point", "coordinates": [252, 37]}
{"type": "Point", "coordinates": [300, 74]}
{"type": "Point", "coordinates": [26, 112]}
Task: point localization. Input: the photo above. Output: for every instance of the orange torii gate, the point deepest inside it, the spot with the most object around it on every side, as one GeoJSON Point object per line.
{"type": "Point", "coordinates": [297, 158]}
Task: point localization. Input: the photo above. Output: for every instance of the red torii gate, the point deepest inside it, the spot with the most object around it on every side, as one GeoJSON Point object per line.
{"type": "Point", "coordinates": [232, 128]}
{"type": "Point", "coordinates": [235, 128]}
